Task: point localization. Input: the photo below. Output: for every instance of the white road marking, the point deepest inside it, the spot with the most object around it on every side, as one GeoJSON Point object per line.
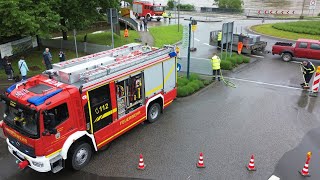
{"type": "Point", "coordinates": [196, 39]}
{"type": "Point", "coordinates": [207, 44]}
{"type": "Point", "coordinates": [273, 177]}
{"type": "Point", "coordinates": [259, 82]}
{"type": "Point", "coordinates": [256, 56]}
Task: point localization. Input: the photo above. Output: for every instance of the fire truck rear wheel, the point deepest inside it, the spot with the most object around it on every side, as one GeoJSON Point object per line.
{"type": "Point", "coordinates": [154, 112]}
{"type": "Point", "coordinates": [80, 155]}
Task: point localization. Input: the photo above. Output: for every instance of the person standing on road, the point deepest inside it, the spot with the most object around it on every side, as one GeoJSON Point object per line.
{"type": "Point", "coordinates": [307, 69]}
{"type": "Point", "coordinates": [215, 67]}
{"type": "Point", "coordinates": [62, 56]}
{"type": "Point", "coordinates": [47, 59]}
{"type": "Point", "coordinates": [8, 68]}
{"type": "Point", "coordinates": [145, 24]}
{"type": "Point", "coordinates": [219, 39]}
{"type": "Point", "coordinates": [23, 68]}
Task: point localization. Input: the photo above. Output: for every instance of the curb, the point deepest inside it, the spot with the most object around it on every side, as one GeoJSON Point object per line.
{"type": "Point", "coordinates": [204, 20]}
{"type": "Point", "coordinates": [252, 31]}
{"type": "Point", "coordinates": [272, 18]}
{"type": "Point", "coordinates": [177, 43]}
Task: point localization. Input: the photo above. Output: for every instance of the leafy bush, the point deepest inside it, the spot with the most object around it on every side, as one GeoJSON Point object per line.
{"type": "Point", "coordinates": [319, 14]}
{"type": "Point", "coordinates": [230, 4]}
{"type": "Point", "coordinates": [170, 4]}
{"type": "Point", "coordinates": [194, 85]}
{"type": "Point", "coordinates": [226, 65]}
{"type": "Point", "coordinates": [182, 91]}
{"type": "Point", "coordinates": [186, 7]}
{"type": "Point", "coordinates": [189, 89]}
{"type": "Point", "coordinates": [200, 83]}
{"type": "Point", "coordinates": [193, 77]}
{"type": "Point", "coordinates": [246, 59]}
{"type": "Point", "coordinates": [182, 81]}
{"type": "Point", "coordinates": [304, 27]}
{"type": "Point", "coordinates": [206, 82]}
{"type": "Point", "coordinates": [240, 59]}
{"type": "Point", "coordinates": [233, 60]}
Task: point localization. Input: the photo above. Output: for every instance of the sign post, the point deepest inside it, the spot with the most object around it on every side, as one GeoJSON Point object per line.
{"type": "Point", "coordinates": [312, 6]}
{"type": "Point", "coordinates": [193, 28]}
{"type": "Point", "coordinates": [112, 18]}
{"type": "Point", "coordinates": [227, 37]}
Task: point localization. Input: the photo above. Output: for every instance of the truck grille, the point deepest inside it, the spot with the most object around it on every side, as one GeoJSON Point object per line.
{"type": "Point", "coordinates": [22, 147]}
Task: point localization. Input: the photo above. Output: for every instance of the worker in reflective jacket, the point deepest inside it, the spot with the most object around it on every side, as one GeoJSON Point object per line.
{"type": "Point", "coordinates": [215, 67]}
{"type": "Point", "coordinates": [307, 69]}
{"type": "Point", "coordinates": [219, 38]}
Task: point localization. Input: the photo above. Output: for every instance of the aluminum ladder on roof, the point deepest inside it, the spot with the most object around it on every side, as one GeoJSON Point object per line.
{"type": "Point", "coordinates": [120, 51]}
{"type": "Point", "coordinates": [90, 76]}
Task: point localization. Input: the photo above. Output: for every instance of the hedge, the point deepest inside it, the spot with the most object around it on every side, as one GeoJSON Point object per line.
{"type": "Point", "coordinates": [189, 86]}
{"type": "Point", "coordinates": [304, 27]}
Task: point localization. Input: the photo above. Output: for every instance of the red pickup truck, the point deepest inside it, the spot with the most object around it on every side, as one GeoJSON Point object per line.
{"type": "Point", "coordinates": [303, 48]}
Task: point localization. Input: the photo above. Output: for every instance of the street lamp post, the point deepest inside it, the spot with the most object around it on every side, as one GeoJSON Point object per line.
{"type": "Point", "coordinates": [178, 15]}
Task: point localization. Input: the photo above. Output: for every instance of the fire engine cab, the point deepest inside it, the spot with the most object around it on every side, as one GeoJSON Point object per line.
{"type": "Point", "coordinates": [60, 117]}
{"type": "Point", "coordinates": [147, 10]}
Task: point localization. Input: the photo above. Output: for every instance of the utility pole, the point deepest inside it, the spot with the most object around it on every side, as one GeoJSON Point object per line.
{"type": "Point", "coordinates": [75, 41]}
{"type": "Point", "coordinates": [301, 16]}
{"type": "Point", "coordinates": [178, 15]}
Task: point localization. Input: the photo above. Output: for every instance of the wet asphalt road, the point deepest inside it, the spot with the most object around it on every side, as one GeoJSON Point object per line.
{"type": "Point", "coordinates": [278, 124]}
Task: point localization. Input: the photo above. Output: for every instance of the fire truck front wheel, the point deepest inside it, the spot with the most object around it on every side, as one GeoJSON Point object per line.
{"type": "Point", "coordinates": [154, 112]}
{"type": "Point", "coordinates": [80, 154]}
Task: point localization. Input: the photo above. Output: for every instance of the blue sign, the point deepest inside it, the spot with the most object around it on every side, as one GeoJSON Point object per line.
{"type": "Point", "coordinates": [178, 67]}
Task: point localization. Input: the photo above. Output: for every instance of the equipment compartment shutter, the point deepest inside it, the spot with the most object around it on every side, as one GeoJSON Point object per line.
{"type": "Point", "coordinates": [169, 73]}
{"type": "Point", "coordinates": [153, 79]}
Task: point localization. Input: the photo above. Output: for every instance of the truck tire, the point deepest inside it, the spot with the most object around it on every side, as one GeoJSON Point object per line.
{"type": "Point", "coordinates": [286, 57]}
{"type": "Point", "coordinates": [80, 155]}
{"type": "Point", "coordinates": [154, 112]}
{"type": "Point", "coordinates": [158, 19]}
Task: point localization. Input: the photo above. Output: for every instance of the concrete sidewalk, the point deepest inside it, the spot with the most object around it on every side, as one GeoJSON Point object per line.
{"type": "Point", "coordinates": [146, 37]}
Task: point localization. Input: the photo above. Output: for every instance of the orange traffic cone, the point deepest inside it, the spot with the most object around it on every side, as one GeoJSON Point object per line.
{"type": "Point", "coordinates": [305, 170]}
{"type": "Point", "coordinates": [200, 163]}
{"type": "Point", "coordinates": [141, 163]}
{"type": "Point", "coordinates": [250, 166]}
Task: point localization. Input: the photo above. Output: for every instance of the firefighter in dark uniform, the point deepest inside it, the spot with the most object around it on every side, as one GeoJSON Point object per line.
{"type": "Point", "coordinates": [307, 70]}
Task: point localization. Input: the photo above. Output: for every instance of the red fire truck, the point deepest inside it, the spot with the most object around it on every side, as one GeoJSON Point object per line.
{"type": "Point", "coordinates": [60, 117]}
{"type": "Point", "coordinates": [147, 10]}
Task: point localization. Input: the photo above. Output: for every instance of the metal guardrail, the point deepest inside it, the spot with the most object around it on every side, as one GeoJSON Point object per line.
{"type": "Point", "coordinates": [82, 47]}
{"type": "Point", "coordinates": [130, 22]}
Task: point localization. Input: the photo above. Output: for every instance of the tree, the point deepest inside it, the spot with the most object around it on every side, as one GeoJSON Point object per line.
{"type": "Point", "coordinates": [79, 14]}
{"type": "Point", "coordinates": [230, 4]}
{"type": "Point", "coordinates": [27, 17]}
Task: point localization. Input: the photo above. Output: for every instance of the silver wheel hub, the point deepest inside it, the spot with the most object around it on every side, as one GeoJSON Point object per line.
{"type": "Point", "coordinates": [154, 112]}
{"type": "Point", "coordinates": [81, 156]}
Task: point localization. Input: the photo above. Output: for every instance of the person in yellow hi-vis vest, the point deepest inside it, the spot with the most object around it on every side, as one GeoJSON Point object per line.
{"type": "Point", "coordinates": [215, 67]}
{"type": "Point", "coordinates": [219, 38]}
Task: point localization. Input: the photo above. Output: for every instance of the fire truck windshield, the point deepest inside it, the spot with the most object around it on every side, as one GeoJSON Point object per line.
{"type": "Point", "coordinates": [157, 8]}
{"type": "Point", "coordinates": [22, 120]}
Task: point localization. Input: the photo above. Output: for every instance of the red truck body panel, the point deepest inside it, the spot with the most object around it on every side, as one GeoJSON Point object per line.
{"type": "Point", "coordinates": [304, 48]}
